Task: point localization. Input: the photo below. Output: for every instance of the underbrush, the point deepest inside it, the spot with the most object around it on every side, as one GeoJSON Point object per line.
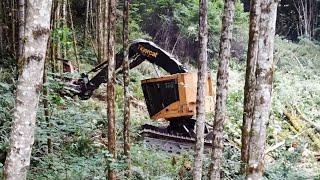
{"type": "Point", "coordinates": [7, 86]}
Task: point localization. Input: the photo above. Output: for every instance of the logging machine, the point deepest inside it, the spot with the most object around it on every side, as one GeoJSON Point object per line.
{"type": "Point", "coordinates": [171, 97]}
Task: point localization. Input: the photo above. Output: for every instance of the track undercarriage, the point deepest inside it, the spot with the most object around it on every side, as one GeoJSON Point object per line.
{"type": "Point", "coordinates": [179, 136]}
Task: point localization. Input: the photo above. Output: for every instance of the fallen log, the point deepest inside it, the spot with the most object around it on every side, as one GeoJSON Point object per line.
{"type": "Point", "coordinates": [303, 117]}
{"type": "Point", "coordinates": [295, 121]}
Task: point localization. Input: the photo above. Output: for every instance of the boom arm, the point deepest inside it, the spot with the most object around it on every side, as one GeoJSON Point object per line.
{"type": "Point", "coordinates": [139, 51]}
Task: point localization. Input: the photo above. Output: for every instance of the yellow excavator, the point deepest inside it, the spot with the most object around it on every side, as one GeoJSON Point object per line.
{"type": "Point", "coordinates": [170, 98]}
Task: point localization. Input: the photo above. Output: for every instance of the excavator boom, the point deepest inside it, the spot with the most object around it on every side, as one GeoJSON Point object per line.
{"type": "Point", "coordinates": [139, 51]}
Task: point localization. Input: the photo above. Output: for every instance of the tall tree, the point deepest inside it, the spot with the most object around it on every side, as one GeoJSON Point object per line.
{"type": "Point", "coordinates": [64, 34]}
{"type": "Point", "coordinates": [73, 36]}
{"type": "Point", "coordinates": [202, 76]}
{"type": "Point", "coordinates": [22, 8]}
{"type": "Point", "coordinates": [263, 88]}
{"type": "Point", "coordinates": [126, 80]}
{"type": "Point", "coordinates": [307, 15]}
{"type": "Point", "coordinates": [28, 89]}
{"type": "Point", "coordinates": [249, 87]}
{"type": "Point", "coordinates": [101, 10]}
{"type": "Point", "coordinates": [112, 6]}
{"type": "Point", "coordinates": [2, 28]}
{"type": "Point", "coordinates": [57, 25]}
{"type": "Point", "coordinates": [6, 30]}
{"type": "Point", "coordinates": [104, 31]}
{"type": "Point", "coordinates": [222, 88]}
{"type": "Point", "coordinates": [46, 103]}
{"type": "Point", "coordinates": [87, 21]}
{"type": "Point", "coordinates": [13, 27]}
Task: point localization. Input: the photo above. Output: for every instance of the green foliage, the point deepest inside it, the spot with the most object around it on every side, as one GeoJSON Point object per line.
{"type": "Point", "coordinates": [154, 164]}
{"type": "Point", "coordinates": [176, 21]}
{"type": "Point", "coordinates": [62, 35]}
{"type": "Point", "coordinates": [231, 163]}
{"type": "Point", "coordinates": [88, 56]}
{"type": "Point", "coordinates": [66, 165]}
{"type": "Point", "coordinates": [285, 167]}
{"type": "Point", "coordinates": [135, 86]}
{"type": "Point", "coordinates": [6, 107]}
{"type": "Point", "coordinates": [7, 87]}
{"type": "Point", "coordinates": [235, 108]}
{"type": "Point", "coordinates": [186, 15]}
{"type": "Point", "coordinates": [298, 58]}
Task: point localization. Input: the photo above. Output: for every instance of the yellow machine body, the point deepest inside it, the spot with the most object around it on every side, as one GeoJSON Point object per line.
{"type": "Point", "coordinates": [174, 96]}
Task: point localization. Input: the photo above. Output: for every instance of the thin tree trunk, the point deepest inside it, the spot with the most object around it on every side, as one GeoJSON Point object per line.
{"type": "Point", "coordinates": [111, 81]}
{"type": "Point", "coordinates": [202, 76]}
{"type": "Point", "coordinates": [104, 31]}
{"type": "Point", "coordinates": [58, 44]}
{"type": "Point", "coordinates": [99, 30]}
{"type": "Point", "coordinates": [28, 89]}
{"type": "Point", "coordinates": [92, 19]}
{"type": "Point", "coordinates": [47, 63]}
{"type": "Point", "coordinates": [54, 45]}
{"type": "Point", "coordinates": [126, 80]}
{"type": "Point", "coordinates": [222, 88]}
{"type": "Point", "coordinates": [263, 88]}
{"type": "Point", "coordinates": [67, 66]}
{"type": "Point", "coordinates": [307, 15]}
{"type": "Point", "coordinates": [46, 104]}
{"type": "Point", "coordinates": [87, 22]}
{"type": "Point", "coordinates": [13, 27]}
{"type": "Point", "coordinates": [5, 28]}
{"type": "Point", "coordinates": [1, 41]}
{"type": "Point", "coordinates": [51, 42]}
{"type": "Point", "coordinates": [74, 37]}
{"type": "Point", "coordinates": [64, 25]}
{"type": "Point", "coordinates": [248, 104]}
{"type": "Point", "coordinates": [2, 27]}
{"type": "Point", "coordinates": [5, 23]}
{"type": "Point", "coordinates": [21, 25]}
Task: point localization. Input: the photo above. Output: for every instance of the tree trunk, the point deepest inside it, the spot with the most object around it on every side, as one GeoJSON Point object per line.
{"type": "Point", "coordinates": [21, 25]}
{"type": "Point", "coordinates": [104, 31]}
{"type": "Point", "coordinates": [75, 48]}
{"type": "Point", "coordinates": [13, 27]}
{"type": "Point", "coordinates": [100, 30]}
{"type": "Point", "coordinates": [46, 105]}
{"type": "Point", "coordinates": [92, 19]}
{"type": "Point", "coordinates": [250, 81]}
{"type": "Point", "coordinates": [55, 45]}
{"type": "Point", "coordinates": [126, 80]}
{"type": "Point", "coordinates": [2, 27]}
{"type": "Point", "coordinates": [64, 35]}
{"type": "Point", "coordinates": [263, 88]}
{"type": "Point", "coordinates": [202, 76]}
{"type": "Point", "coordinates": [111, 81]}
{"type": "Point", "coordinates": [28, 89]}
{"type": "Point", "coordinates": [86, 30]}
{"type": "Point", "coordinates": [5, 38]}
{"type": "Point", "coordinates": [307, 16]}
{"type": "Point", "coordinates": [222, 88]}
{"type": "Point", "coordinates": [67, 65]}
{"type": "Point", "coordinates": [58, 44]}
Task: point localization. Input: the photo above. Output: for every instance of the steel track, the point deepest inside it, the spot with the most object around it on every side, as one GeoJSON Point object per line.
{"type": "Point", "coordinates": [160, 139]}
